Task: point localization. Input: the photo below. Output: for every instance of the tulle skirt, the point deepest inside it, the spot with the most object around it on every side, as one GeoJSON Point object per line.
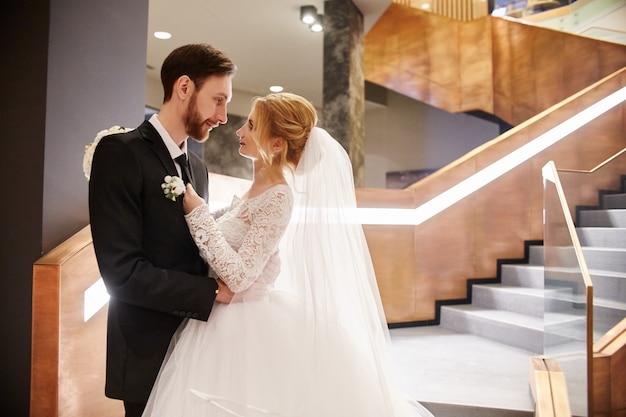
{"type": "Point", "coordinates": [260, 359]}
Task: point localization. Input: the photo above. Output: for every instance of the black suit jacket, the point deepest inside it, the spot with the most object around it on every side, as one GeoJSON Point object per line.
{"type": "Point", "coordinates": [148, 260]}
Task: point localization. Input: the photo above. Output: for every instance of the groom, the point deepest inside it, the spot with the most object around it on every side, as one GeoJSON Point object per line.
{"type": "Point", "coordinates": [148, 260]}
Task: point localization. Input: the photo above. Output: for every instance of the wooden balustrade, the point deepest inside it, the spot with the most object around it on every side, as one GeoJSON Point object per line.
{"type": "Point", "coordinates": [548, 388]}
{"type": "Point", "coordinates": [609, 373]}
{"type": "Point", "coordinates": [463, 10]}
{"type": "Point", "coordinates": [68, 353]}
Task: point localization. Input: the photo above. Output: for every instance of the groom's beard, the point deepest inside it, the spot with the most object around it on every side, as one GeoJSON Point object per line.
{"type": "Point", "coordinates": [195, 127]}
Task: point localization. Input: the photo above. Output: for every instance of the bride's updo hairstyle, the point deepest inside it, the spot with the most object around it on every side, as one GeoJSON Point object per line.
{"type": "Point", "coordinates": [283, 115]}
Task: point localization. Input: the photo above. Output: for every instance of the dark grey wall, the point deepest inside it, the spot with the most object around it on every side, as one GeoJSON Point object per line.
{"type": "Point", "coordinates": [69, 68]}
{"type": "Point", "coordinates": [221, 151]}
{"type": "Point", "coordinates": [96, 79]}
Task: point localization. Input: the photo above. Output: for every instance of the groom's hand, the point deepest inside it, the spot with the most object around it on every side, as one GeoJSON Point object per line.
{"type": "Point", "coordinates": [224, 294]}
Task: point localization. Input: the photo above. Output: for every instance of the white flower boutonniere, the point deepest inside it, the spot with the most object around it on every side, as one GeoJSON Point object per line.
{"type": "Point", "coordinates": [90, 149]}
{"type": "Point", "coordinates": [173, 187]}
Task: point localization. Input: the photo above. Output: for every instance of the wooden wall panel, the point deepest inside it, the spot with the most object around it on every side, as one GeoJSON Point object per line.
{"type": "Point", "coordinates": [475, 66]}
{"type": "Point", "coordinates": [507, 68]}
{"type": "Point", "coordinates": [396, 266]}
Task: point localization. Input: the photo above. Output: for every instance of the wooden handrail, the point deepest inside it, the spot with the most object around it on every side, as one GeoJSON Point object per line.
{"type": "Point", "coordinates": [597, 167]}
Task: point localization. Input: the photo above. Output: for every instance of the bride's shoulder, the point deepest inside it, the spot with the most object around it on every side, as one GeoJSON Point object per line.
{"type": "Point", "coordinates": [277, 191]}
{"type": "Point", "coordinates": [278, 195]}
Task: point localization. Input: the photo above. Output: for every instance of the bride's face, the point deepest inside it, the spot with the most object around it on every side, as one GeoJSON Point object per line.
{"type": "Point", "coordinates": [247, 144]}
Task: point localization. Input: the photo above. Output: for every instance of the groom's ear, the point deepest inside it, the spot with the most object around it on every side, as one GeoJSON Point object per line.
{"type": "Point", "coordinates": [183, 87]}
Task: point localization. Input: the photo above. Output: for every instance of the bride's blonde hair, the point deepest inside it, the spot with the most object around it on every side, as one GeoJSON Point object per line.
{"type": "Point", "coordinates": [287, 116]}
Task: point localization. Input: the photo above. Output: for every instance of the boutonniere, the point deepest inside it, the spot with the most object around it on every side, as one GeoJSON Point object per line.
{"type": "Point", "coordinates": [173, 187]}
{"type": "Point", "coordinates": [91, 148]}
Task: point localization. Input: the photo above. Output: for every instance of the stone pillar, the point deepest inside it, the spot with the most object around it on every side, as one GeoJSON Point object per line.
{"type": "Point", "coordinates": [344, 86]}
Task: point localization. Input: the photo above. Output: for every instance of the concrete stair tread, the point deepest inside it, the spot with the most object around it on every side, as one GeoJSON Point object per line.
{"type": "Point", "coordinates": [602, 217]}
{"type": "Point", "coordinates": [609, 303]}
{"type": "Point", "coordinates": [531, 291]}
{"type": "Point", "coordinates": [606, 273]}
{"type": "Point", "coordinates": [552, 318]}
{"type": "Point", "coordinates": [531, 266]}
{"type": "Point", "coordinates": [604, 211]}
{"type": "Point", "coordinates": [608, 229]}
{"type": "Point", "coordinates": [513, 289]}
{"type": "Point", "coordinates": [501, 316]}
{"type": "Point", "coordinates": [603, 249]}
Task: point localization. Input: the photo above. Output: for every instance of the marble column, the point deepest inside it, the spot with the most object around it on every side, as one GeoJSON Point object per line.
{"type": "Point", "coordinates": [344, 86]}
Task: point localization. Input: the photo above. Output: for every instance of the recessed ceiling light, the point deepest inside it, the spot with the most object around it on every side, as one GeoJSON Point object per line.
{"type": "Point", "coordinates": [162, 35]}
{"type": "Point", "coordinates": [276, 88]}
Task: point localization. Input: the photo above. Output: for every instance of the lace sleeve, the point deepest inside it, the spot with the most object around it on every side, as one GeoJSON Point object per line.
{"type": "Point", "coordinates": [219, 213]}
{"type": "Point", "coordinates": [239, 269]}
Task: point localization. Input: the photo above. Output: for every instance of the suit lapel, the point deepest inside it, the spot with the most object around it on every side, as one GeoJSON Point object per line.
{"type": "Point", "coordinates": [150, 134]}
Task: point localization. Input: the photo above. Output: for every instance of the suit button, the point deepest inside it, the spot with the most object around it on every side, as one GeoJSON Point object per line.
{"type": "Point", "coordinates": [181, 313]}
{"type": "Point", "coordinates": [188, 314]}
{"type": "Point", "coordinates": [194, 315]}
{"type": "Point", "coordinates": [175, 312]}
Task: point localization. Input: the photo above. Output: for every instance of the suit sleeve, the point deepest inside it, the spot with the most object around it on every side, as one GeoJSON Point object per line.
{"type": "Point", "coordinates": [117, 220]}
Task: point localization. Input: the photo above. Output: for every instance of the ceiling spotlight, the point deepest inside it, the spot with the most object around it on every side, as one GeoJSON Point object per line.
{"type": "Point", "coordinates": [162, 35]}
{"type": "Point", "coordinates": [317, 25]}
{"type": "Point", "coordinates": [276, 88]}
{"type": "Point", "coordinates": [308, 14]}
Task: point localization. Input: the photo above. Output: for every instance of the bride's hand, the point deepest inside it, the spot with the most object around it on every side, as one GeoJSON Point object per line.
{"type": "Point", "coordinates": [191, 199]}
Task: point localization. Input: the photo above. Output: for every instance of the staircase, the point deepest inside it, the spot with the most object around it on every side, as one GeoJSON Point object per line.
{"type": "Point", "coordinates": [512, 311]}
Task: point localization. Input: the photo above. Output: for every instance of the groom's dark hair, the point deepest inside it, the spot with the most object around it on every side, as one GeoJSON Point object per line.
{"type": "Point", "coordinates": [198, 62]}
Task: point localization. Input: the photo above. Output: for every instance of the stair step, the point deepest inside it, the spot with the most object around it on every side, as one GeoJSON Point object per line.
{"type": "Point", "coordinates": [607, 313]}
{"type": "Point", "coordinates": [614, 201]}
{"type": "Point", "coordinates": [514, 329]}
{"type": "Point", "coordinates": [522, 275]}
{"type": "Point", "coordinates": [596, 258]}
{"type": "Point", "coordinates": [522, 300]}
{"type": "Point", "coordinates": [608, 259]}
{"type": "Point", "coordinates": [535, 255]}
{"type": "Point", "coordinates": [608, 284]}
{"type": "Point", "coordinates": [602, 218]}
{"type": "Point", "coordinates": [563, 329]}
{"type": "Point", "coordinates": [607, 237]}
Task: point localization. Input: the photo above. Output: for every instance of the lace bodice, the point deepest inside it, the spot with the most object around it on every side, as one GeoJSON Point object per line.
{"type": "Point", "coordinates": [239, 243]}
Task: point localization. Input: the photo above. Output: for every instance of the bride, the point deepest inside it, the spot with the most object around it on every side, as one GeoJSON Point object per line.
{"type": "Point", "coordinates": [311, 344]}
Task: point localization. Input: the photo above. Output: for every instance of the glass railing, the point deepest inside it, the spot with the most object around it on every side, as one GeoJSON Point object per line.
{"type": "Point", "coordinates": [568, 294]}
{"type": "Point", "coordinates": [575, 298]}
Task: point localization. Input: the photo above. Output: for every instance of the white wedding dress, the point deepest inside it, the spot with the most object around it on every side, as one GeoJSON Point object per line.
{"type": "Point", "coordinates": [301, 348]}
